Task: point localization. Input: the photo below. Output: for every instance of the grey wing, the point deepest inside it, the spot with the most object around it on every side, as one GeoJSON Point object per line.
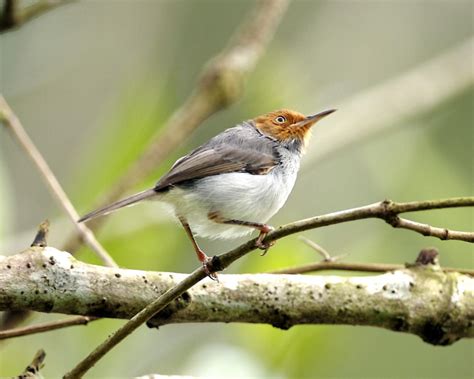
{"type": "Point", "coordinates": [225, 153]}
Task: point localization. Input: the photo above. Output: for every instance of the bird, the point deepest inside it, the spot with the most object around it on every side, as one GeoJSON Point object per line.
{"type": "Point", "coordinates": [235, 182]}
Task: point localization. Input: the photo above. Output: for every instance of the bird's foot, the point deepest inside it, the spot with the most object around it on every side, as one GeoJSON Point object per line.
{"type": "Point", "coordinates": [264, 245]}
{"type": "Point", "coordinates": [206, 264]}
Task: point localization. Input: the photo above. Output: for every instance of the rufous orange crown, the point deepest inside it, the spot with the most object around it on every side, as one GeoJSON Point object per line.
{"type": "Point", "coordinates": [285, 124]}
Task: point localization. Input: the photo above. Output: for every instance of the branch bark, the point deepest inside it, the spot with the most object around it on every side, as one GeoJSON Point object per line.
{"type": "Point", "coordinates": [438, 306]}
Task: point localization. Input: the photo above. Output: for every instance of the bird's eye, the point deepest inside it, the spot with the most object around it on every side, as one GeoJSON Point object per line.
{"type": "Point", "coordinates": [280, 119]}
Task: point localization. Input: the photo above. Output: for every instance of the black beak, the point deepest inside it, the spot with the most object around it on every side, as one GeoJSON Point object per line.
{"type": "Point", "coordinates": [310, 120]}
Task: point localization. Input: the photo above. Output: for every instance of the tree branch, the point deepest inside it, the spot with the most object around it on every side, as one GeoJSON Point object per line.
{"type": "Point", "coordinates": [303, 269]}
{"type": "Point", "coordinates": [355, 266]}
{"type": "Point", "coordinates": [423, 300]}
{"type": "Point", "coordinates": [388, 211]}
{"type": "Point", "coordinates": [427, 230]}
{"type": "Point", "coordinates": [45, 327]}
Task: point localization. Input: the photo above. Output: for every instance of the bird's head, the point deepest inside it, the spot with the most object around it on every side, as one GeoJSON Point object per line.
{"type": "Point", "coordinates": [286, 125]}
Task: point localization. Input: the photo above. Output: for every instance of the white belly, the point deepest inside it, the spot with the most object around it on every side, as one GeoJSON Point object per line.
{"type": "Point", "coordinates": [235, 196]}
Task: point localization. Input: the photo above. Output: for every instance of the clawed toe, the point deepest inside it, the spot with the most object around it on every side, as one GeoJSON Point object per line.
{"type": "Point", "coordinates": [264, 245]}
{"type": "Point", "coordinates": [211, 274]}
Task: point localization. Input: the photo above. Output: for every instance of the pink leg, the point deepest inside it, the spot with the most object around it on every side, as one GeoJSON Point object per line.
{"type": "Point", "coordinates": [203, 258]}
{"type": "Point", "coordinates": [263, 228]}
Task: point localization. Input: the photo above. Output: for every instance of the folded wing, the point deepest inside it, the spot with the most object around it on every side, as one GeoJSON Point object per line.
{"type": "Point", "coordinates": [217, 158]}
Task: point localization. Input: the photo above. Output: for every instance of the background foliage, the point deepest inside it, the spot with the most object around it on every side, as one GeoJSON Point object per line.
{"type": "Point", "coordinates": [91, 81]}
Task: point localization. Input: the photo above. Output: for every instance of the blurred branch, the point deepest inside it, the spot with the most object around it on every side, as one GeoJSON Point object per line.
{"type": "Point", "coordinates": [354, 266]}
{"type": "Point", "coordinates": [346, 266]}
{"type": "Point", "coordinates": [383, 106]}
{"type": "Point", "coordinates": [320, 250]}
{"type": "Point", "coordinates": [423, 299]}
{"type": "Point", "coordinates": [13, 16]}
{"type": "Point", "coordinates": [221, 83]}
{"type": "Point", "coordinates": [329, 263]}
{"type": "Point", "coordinates": [45, 327]}
{"type": "Point", "coordinates": [13, 124]}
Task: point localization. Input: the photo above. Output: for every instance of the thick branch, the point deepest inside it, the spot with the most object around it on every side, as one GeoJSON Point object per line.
{"type": "Point", "coordinates": [422, 300]}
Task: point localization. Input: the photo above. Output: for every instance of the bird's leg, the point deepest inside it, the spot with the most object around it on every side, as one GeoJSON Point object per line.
{"type": "Point", "coordinates": [203, 258]}
{"type": "Point", "coordinates": [263, 228]}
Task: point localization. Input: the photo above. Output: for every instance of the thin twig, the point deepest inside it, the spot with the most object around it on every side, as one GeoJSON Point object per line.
{"type": "Point", "coordinates": [428, 230]}
{"type": "Point", "coordinates": [221, 83]}
{"type": "Point", "coordinates": [384, 210]}
{"type": "Point", "coordinates": [329, 263]}
{"type": "Point", "coordinates": [354, 266]}
{"type": "Point", "coordinates": [45, 327]}
{"type": "Point", "coordinates": [317, 248]}
{"type": "Point", "coordinates": [12, 123]}
{"type": "Point", "coordinates": [388, 211]}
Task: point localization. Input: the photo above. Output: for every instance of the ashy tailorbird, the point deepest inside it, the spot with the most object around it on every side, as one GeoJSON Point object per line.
{"type": "Point", "coordinates": [236, 181]}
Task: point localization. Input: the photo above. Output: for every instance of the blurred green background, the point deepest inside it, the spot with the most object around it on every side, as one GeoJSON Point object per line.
{"type": "Point", "coordinates": [93, 80]}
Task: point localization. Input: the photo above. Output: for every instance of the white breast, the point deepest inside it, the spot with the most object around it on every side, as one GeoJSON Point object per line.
{"type": "Point", "coordinates": [236, 196]}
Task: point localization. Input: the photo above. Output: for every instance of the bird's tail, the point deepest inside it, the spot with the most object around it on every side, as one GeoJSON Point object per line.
{"type": "Point", "coordinates": [119, 204]}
